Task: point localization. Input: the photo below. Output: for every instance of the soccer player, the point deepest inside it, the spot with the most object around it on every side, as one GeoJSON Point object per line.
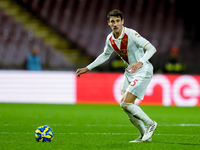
{"type": "Point", "coordinates": [130, 46]}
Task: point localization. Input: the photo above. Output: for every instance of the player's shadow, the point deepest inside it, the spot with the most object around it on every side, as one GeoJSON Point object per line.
{"type": "Point", "coordinates": [178, 143]}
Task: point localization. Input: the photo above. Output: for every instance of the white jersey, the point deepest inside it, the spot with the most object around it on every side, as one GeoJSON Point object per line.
{"type": "Point", "coordinates": [131, 54]}
{"type": "Point", "coordinates": [136, 44]}
{"type": "Point", "coordinates": [130, 47]}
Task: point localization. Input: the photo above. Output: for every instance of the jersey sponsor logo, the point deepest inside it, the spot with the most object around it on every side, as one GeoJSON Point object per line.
{"type": "Point", "coordinates": [125, 41]}
{"type": "Point", "coordinates": [123, 51]}
{"type": "Point", "coordinates": [137, 35]}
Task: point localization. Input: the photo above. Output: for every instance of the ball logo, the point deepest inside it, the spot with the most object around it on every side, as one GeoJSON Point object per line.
{"type": "Point", "coordinates": [44, 134]}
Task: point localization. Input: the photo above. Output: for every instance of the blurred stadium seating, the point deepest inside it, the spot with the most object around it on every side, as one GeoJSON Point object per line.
{"type": "Point", "coordinates": [84, 23]}
{"type": "Point", "coordinates": [21, 31]}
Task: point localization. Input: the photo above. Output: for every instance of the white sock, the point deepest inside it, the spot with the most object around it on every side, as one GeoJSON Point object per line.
{"type": "Point", "coordinates": [137, 112]}
{"type": "Point", "coordinates": [136, 122]}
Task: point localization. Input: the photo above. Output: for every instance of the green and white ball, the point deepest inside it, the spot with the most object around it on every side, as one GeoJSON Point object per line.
{"type": "Point", "coordinates": [44, 134]}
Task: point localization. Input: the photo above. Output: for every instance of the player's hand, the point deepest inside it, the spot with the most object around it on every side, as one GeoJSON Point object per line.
{"type": "Point", "coordinates": [81, 71]}
{"type": "Point", "coordinates": [133, 68]}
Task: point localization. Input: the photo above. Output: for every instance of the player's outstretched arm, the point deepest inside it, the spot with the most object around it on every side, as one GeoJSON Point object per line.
{"type": "Point", "coordinates": [81, 71]}
{"type": "Point", "coordinates": [98, 61]}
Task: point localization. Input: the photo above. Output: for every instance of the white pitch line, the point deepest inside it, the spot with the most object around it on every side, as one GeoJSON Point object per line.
{"type": "Point", "coordinates": [132, 134]}
{"type": "Point", "coordinates": [167, 125]}
{"type": "Point", "coordinates": [181, 125]}
{"type": "Point", "coordinates": [107, 133]}
{"type": "Point", "coordinates": [114, 125]}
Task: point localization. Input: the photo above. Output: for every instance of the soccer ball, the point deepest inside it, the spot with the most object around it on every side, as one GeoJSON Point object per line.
{"type": "Point", "coordinates": [44, 134]}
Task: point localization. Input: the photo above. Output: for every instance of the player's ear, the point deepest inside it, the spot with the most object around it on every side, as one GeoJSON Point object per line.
{"type": "Point", "coordinates": [122, 21]}
{"type": "Point", "coordinates": [108, 22]}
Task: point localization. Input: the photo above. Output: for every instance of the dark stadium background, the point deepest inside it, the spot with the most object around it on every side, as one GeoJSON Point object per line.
{"type": "Point", "coordinates": [72, 33]}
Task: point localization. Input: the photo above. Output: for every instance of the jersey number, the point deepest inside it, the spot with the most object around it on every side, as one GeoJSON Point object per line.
{"type": "Point", "coordinates": [133, 82]}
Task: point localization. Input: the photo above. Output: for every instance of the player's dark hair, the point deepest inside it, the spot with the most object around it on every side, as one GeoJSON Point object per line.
{"type": "Point", "coordinates": [115, 13]}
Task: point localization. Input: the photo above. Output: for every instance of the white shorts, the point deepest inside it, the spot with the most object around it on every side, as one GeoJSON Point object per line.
{"type": "Point", "coordinates": [137, 82]}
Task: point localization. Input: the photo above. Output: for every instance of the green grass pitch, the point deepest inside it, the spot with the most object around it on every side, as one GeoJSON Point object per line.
{"type": "Point", "coordinates": [96, 127]}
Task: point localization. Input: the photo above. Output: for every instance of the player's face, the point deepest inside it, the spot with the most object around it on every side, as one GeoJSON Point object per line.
{"type": "Point", "coordinates": [116, 24]}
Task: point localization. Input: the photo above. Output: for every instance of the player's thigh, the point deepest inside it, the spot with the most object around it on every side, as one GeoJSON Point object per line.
{"type": "Point", "coordinates": [128, 98]}
{"type": "Point", "coordinates": [138, 86]}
